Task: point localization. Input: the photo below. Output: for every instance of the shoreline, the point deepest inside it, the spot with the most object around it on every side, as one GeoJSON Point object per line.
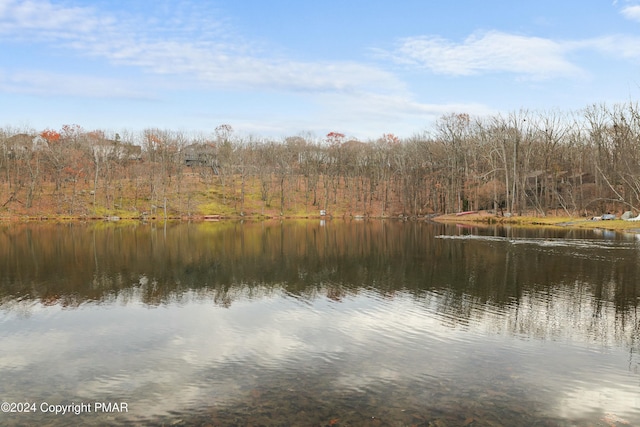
{"type": "Point", "coordinates": [485, 218]}
{"type": "Point", "coordinates": [477, 218]}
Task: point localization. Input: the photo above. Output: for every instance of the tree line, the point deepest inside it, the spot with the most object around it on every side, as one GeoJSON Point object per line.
{"type": "Point", "coordinates": [571, 163]}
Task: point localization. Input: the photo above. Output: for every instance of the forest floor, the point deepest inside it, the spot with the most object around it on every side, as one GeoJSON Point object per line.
{"type": "Point", "coordinates": [190, 198]}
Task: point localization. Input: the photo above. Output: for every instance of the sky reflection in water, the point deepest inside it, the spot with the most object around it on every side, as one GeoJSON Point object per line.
{"type": "Point", "coordinates": [344, 350]}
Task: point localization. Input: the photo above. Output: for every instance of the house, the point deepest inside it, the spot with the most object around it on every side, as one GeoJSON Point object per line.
{"type": "Point", "coordinates": [21, 143]}
{"type": "Point", "coordinates": [199, 154]}
{"type": "Point", "coordinates": [110, 149]}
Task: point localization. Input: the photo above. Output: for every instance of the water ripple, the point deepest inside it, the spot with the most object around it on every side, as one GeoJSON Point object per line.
{"type": "Point", "coordinates": [547, 242]}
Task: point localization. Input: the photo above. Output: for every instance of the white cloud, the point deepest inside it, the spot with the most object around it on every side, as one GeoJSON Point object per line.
{"type": "Point", "coordinates": [188, 48]}
{"type": "Point", "coordinates": [219, 65]}
{"type": "Point", "coordinates": [632, 12]}
{"type": "Point", "coordinates": [395, 108]}
{"type": "Point", "coordinates": [41, 18]}
{"type": "Point", "coordinates": [487, 52]}
{"type": "Point", "coordinates": [50, 84]}
{"type": "Point", "coordinates": [374, 114]}
{"type": "Point", "coordinates": [621, 46]}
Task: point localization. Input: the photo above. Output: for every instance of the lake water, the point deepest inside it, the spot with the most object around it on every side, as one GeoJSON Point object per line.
{"type": "Point", "coordinates": [313, 323]}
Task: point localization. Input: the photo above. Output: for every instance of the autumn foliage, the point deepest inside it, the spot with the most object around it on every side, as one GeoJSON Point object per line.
{"type": "Point", "coordinates": [51, 136]}
{"type": "Point", "coordinates": [520, 163]}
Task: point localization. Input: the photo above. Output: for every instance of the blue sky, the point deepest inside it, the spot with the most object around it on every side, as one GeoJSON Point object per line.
{"type": "Point", "coordinates": [281, 68]}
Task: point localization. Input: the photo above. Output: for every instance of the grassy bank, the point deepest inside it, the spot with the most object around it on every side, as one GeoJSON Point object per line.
{"type": "Point", "coordinates": [536, 221]}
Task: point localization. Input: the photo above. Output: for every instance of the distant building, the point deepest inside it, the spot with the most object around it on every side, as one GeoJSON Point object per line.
{"type": "Point", "coordinates": [200, 155]}
{"type": "Point", "coordinates": [110, 149]}
{"type": "Point", "coordinates": [22, 142]}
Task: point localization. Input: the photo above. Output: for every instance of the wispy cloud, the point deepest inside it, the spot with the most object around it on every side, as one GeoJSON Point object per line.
{"type": "Point", "coordinates": [619, 46]}
{"type": "Point", "coordinates": [375, 114]}
{"type": "Point", "coordinates": [50, 84]}
{"type": "Point", "coordinates": [184, 42]}
{"type": "Point", "coordinates": [486, 52]}
{"type": "Point", "coordinates": [631, 12]}
{"type": "Point", "coordinates": [222, 66]}
{"type": "Point", "coordinates": [398, 107]}
{"type": "Point", "coordinates": [43, 20]}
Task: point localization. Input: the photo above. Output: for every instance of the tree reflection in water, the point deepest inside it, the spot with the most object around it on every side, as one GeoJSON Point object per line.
{"type": "Point", "coordinates": [303, 319]}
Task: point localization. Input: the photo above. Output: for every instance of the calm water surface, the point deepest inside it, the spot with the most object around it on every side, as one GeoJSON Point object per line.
{"type": "Point", "coordinates": [315, 323]}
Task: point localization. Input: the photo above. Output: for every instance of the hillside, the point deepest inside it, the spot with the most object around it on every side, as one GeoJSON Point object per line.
{"type": "Point", "coordinates": [523, 164]}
